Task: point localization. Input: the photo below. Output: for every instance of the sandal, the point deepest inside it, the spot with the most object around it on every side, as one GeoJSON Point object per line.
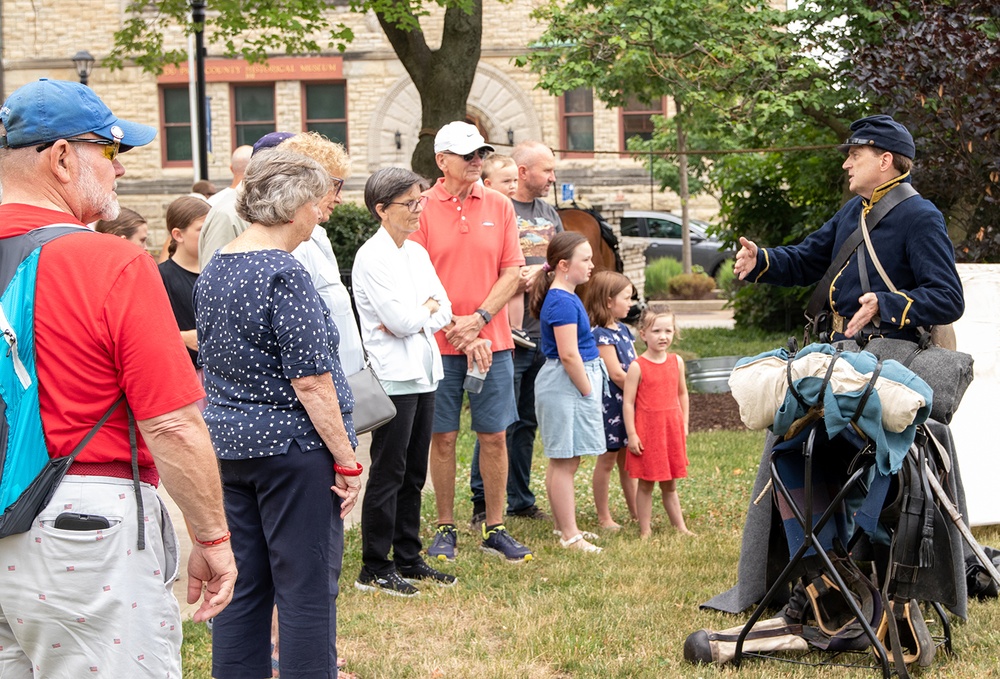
{"type": "Point", "coordinates": [587, 535]}
{"type": "Point", "coordinates": [579, 543]}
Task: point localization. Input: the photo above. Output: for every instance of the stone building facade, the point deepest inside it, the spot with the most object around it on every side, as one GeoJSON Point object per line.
{"type": "Point", "coordinates": [364, 94]}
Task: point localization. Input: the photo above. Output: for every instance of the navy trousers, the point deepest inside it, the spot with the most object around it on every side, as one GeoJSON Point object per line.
{"type": "Point", "coordinates": [288, 539]}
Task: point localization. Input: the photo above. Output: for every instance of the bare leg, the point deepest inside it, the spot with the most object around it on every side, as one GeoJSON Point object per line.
{"type": "Point", "coordinates": [559, 483]}
{"type": "Point", "coordinates": [644, 507]}
{"type": "Point", "coordinates": [442, 464]}
{"type": "Point", "coordinates": [628, 484]}
{"type": "Point", "coordinates": [672, 505]}
{"type": "Point", "coordinates": [493, 467]}
{"type": "Point", "coordinates": [515, 311]}
{"type": "Point", "coordinates": [548, 492]}
{"type": "Point", "coordinates": [602, 479]}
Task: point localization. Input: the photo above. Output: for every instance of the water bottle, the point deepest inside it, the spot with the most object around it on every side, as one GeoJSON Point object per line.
{"type": "Point", "coordinates": [475, 378]}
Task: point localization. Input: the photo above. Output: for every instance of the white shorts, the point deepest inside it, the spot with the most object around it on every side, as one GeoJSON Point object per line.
{"type": "Point", "coordinates": [89, 603]}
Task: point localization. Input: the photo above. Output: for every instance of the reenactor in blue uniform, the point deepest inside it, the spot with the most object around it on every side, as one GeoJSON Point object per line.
{"type": "Point", "coordinates": [910, 241]}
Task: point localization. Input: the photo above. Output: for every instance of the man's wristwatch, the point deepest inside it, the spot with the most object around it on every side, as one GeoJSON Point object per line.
{"type": "Point", "coordinates": [487, 316]}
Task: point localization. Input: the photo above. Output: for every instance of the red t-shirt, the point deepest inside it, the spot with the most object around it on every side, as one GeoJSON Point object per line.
{"type": "Point", "coordinates": [469, 242]}
{"type": "Point", "coordinates": [103, 325]}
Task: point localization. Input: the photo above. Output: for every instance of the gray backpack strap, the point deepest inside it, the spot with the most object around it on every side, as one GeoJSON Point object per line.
{"type": "Point", "coordinates": [14, 250]}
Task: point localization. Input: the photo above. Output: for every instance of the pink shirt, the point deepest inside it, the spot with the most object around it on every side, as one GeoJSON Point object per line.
{"type": "Point", "coordinates": [469, 242]}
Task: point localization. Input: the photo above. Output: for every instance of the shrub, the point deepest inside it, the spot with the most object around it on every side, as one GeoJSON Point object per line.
{"type": "Point", "coordinates": [658, 275]}
{"type": "Point", "coordinates": [691, 286]}
{"type": "Point", "coordinates": [348, 228]}
{"type": "Point", "coordinates": [725, 279]}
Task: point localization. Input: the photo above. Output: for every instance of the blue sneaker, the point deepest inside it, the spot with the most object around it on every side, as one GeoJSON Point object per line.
{"type": "Point", "coordinates": [498, 541]}
{"type": "Point", "coordinates": [445, 541]}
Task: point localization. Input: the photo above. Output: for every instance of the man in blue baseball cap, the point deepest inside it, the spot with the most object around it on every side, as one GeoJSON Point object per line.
{"type": "Point", "coordinates": [87, 580]}
{"type": "Point", "coordinates": [906, 232]}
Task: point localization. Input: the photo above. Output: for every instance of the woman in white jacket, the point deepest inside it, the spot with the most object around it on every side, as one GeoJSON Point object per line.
{"type": "Point", "coordinates": [401, 304]}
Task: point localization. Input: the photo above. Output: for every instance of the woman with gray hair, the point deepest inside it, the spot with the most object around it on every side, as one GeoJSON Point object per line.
{"type": "Point", "coordinates": [401, 304]}
{"type": "Point", "coordinates": [279, 408]}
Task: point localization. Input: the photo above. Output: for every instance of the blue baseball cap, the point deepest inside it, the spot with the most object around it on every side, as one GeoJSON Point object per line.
{"type": "Point", "coordinates": [48, 110]}
{"type": "Point", "coordinates": [882, 132]}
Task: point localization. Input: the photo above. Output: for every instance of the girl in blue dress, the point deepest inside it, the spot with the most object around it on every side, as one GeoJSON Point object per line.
{"type": "Point", "coordinates": [609, 299]}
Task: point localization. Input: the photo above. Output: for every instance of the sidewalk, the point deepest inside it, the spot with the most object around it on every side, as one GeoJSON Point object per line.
{"type": "Point", "coordinates": [708, 313]}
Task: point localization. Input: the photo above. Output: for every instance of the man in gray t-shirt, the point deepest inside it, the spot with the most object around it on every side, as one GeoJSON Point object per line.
{"type": "Point", "coordinates": [537, 223]}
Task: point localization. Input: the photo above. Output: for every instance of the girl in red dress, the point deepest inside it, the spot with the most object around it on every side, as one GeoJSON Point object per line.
{"type": "Point", "coordinates": [655, 410]}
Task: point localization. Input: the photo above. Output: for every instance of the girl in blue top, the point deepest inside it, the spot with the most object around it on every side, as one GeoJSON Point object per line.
{"type": "Point", "coordinates": [569, 386]}
{"type": "Point", "coordinates": [609, 298]}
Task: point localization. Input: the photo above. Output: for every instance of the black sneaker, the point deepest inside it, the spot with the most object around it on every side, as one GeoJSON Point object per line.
{"type": "Point", "coordinates": [522, 339]}
{"type": "Point", "coordinates": [421, 571]}
{"type": "Point", "coordinates": [443, 545]}
{"type": "Point", "coordinates": [390, 583]}
{"type": "Point", "coordinates": [532, 512]}
{"type": "Point", "coordinates": [498, 541]}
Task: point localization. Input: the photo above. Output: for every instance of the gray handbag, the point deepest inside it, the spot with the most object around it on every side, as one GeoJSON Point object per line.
{"type": "Point", "coordinates": [372, 406]}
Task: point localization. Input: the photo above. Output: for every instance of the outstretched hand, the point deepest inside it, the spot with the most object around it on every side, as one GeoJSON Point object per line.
{"type": "Point", "coordinates": [746, 258]}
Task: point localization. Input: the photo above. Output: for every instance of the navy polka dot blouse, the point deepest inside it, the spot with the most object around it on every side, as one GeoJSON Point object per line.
{"type": "Point", "coordinates": [260, 325]}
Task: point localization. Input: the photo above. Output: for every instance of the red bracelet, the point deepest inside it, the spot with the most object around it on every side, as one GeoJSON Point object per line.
{"type": "Point", "coordinates": [211, 543]}
{"type": "Point", "coordinates": [343, 471]}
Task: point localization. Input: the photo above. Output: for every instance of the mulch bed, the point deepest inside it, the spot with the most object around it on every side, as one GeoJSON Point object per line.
{"type": "Point", "coordinates": [711, 412]}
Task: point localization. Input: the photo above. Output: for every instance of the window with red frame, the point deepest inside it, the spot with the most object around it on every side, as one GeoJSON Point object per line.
{"type": "Point", "coordinates": [253, 113]}
{"type": "Point", "coordinates": [637, 119]}
{"type": "Point", "coordinates": [176, 107]}
{"type": "Point", "coordinates": [324, 109]}
{"type": "Point", "coordinates": [577, 112]}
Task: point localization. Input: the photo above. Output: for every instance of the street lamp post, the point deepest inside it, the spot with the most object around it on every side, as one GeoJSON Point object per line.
{"type": "Point", "coordinates": [83, 61]}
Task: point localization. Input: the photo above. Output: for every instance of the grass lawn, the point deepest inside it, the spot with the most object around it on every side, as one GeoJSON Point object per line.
{"type": "Point", "coordinates": [622, 613]}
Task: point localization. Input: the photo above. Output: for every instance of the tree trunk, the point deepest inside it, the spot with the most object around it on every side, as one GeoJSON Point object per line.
{"type": "Point", "coordinates": [682, 169]}
{"type": "Point", "coordinates": [443, 77]}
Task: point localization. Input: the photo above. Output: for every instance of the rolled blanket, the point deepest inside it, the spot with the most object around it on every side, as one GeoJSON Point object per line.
{"type": "Point", "coordinates": [889, 416]}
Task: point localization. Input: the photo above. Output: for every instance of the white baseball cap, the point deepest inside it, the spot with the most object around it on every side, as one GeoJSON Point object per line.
{"type": "Point", "coordinates": [460, 138]}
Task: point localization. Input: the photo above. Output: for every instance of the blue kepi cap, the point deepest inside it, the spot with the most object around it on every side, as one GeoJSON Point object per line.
{"type": "Point", "coordinates": [882, 132]}
{"type": "Point", "coordinates": [48, 110]}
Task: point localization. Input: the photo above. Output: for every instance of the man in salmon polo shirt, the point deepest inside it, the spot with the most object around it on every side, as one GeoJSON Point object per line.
{"type": "Point", "coordinates": [470, 233]}
{"type": "Point", "coordinates": [87, 589]}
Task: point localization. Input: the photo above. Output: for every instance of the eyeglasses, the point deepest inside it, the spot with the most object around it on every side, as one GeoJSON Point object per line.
{"type": "Point", "coordinates": [480, 153]}
{"type": "Point", "coordinates": [110, 150]}
{"type": "Point", "coordinates": [336, 184]}
{"type": "Point", "coordinates": [412, 205]}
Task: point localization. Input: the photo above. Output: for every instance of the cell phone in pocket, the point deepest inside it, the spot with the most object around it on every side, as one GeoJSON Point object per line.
{"type": "Point", "coordinates": [77, 521]}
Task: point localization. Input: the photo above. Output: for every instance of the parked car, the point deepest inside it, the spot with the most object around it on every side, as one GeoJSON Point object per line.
{"type": "Point", "coordinates": [663, 232]}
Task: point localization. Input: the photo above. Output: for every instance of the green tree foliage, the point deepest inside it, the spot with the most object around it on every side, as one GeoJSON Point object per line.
{"type": "Point", "coordinates": [348, 228]}
{"type": "Point", "coordinates": [256, 29]}
{"type": "Point", "coordinates": [752, 77]}
{"type": "Point", "coordinates": [938, 68]}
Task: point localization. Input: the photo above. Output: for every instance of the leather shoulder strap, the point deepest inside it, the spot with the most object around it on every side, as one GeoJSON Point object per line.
{"type": "Point", "coordinates": [890, 200]}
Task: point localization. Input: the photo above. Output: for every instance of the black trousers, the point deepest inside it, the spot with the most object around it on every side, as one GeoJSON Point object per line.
{"type": "Point", "coordinates": [390, 515]}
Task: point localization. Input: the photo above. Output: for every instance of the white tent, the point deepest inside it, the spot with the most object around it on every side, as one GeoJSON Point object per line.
{"type": "Point", "coordinates": [975, 425]}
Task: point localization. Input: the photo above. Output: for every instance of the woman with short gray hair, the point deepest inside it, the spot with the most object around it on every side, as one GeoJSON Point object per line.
{"type": "Point", "coordinates": [401, 304]}
{"type": "Point", "coordinates": [279, 408]}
